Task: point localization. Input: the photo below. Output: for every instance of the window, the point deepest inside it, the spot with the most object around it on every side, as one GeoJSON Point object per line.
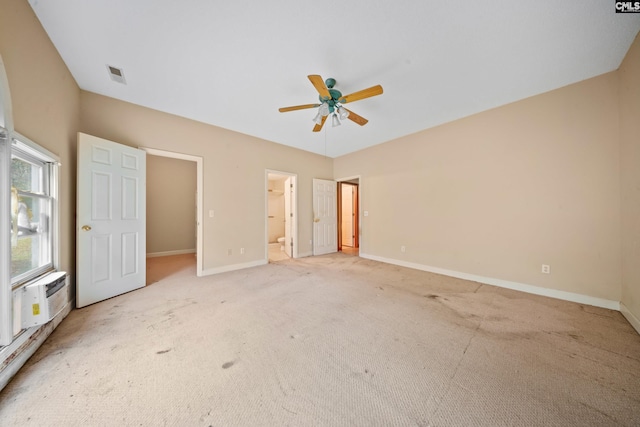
{"type": "Point", "coordinates": [28, 215]}
{"type": "Point", "coordinates": [33, 177]}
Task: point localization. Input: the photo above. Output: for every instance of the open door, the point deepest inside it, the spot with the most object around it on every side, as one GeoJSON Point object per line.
{"type": "Point", "coordinates": [111, 216]}
{"type": "Point", "coordinates": [325, 221]}
{"type": "Point", "coordinates": [288, 216]}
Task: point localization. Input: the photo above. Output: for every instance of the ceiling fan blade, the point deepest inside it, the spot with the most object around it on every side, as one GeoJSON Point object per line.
{"type": "Point", "coordinates": [356, 118]}
{"type": "Point", "coordinates": [297, 107]}
{"type": "Point", "coordinates": [362, 94]}
{"type": "Point", "coordinates": [318, 83]}
{"type": "Point", "coordinates": [318, 128]}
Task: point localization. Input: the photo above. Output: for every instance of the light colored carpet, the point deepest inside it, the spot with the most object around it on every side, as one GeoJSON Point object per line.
{"type": "Point", "coordinates": [333, 340]}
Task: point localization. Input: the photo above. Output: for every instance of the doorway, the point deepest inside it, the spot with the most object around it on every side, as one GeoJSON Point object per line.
{"type": "Point", "coordinates": [348, 216]}
{"type": "Point", "coordinates": [174, 214]}
{"type": "Point", "coordinates": [281, 216]}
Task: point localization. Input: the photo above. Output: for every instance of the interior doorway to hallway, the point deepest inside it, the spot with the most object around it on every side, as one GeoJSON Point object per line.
{"type": "Point", "coordinates": [348, 216]}
{"type": "Point", "coordinates": [180, 230]}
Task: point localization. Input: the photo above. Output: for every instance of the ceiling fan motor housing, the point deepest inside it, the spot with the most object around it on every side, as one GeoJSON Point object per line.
{"type": "Point", "coordinates": [335, 95]}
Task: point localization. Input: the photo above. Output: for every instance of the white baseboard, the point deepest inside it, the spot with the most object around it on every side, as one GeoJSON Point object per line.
{"type": "Point", "coordinates": [635, 322]}
{"type": "Point", "coordinates": [536, 290]}
{"type": "Point", "coordinates": [169, 253]}
{"type": "Point", "coordinates": [234, 267]}
{"type": "Point", "coordinates": [16, 354]}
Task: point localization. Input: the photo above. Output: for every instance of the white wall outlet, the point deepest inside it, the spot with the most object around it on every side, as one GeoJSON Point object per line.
{"type": "Point", "coordinates": [366, 213]}
{"type": "Point", "coordinates": [229, 251]}
{"type": "Point", "coordinates": [546, 269]}
{"type": "Point", "coordinates": [211, 214]}
{"type": "Point", "coordinates": [241, 251]}
{"type": "Point", "coordinates": [403, 249]}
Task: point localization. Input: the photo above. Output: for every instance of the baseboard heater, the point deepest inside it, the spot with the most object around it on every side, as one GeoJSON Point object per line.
{"type": "Point", "coordinates": [43, 299]}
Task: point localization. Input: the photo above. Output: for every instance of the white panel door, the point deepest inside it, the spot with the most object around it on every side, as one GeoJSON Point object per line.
{"type": "Point", "coordinates": [111, 216]}
{"type": "Point", "coordinates": [325, 221]}
{"type": "Point", "coordinates": [288, 220]}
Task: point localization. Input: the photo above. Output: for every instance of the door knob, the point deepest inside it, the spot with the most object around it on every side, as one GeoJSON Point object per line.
{"type": "Point", "coordinates": [316, 220]}
{"type": "Point", "coordinates": [86, 228]}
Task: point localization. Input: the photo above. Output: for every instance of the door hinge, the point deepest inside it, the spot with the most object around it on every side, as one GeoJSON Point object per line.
{"type": "Point", "coordinates": [291, 214]}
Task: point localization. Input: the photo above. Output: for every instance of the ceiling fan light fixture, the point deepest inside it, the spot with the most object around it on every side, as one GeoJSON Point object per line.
{"type": "Point", "coordinates": [331, 101]}
{"type": "Point", "coordinates": [343, 112]}
{"type": "Point", "coordinates": [318, 117]}
{"type": "Point", "coordinates": [334, 120]}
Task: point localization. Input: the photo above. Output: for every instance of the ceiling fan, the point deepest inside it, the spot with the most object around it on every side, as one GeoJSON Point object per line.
{"type": "Point", "coordinates": [331, 101]}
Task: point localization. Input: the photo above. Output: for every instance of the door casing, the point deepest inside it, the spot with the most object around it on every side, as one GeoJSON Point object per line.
{"type": "Point", "coordinates": [357, 205]}
{"type": "Point", "coordinates": [199, 197]}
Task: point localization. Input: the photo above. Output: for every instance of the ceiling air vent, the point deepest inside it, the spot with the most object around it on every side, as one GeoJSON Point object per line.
{"type": "Point", "coordinates": [116, 74]}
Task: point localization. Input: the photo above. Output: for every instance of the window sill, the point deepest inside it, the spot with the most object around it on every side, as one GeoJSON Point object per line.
{"type": "Point", "coordinates": [31, 279]}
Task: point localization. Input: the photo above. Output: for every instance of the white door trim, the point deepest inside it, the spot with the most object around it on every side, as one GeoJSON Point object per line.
{"type": "Point", "coordinates": [200, 197]}
{"type": "Point", "coordinates": [294, 210]}
{"type": "Point", "coordinates": [6, 300]}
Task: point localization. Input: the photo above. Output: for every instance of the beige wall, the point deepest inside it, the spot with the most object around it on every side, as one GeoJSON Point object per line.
{"type": "Point", "coordinates": [502, 192]}
{"type": "Point", "coordinates": [46, 104]}
{"type": "Point", "coordinates": [234, 173]}
{"type": "Point", "coordinates": [629, 74]}
{"type": "Point", "coordinates": [171, 204]}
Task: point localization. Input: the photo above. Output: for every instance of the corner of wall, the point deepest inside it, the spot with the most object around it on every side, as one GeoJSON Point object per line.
{"type": "Point", "coordinates": [633, 320]}
{"type": "Point", "coordinates": [629, 109]}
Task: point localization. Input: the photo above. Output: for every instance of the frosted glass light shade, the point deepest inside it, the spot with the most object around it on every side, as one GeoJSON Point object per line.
{"type": "Point", "coordinates": [343, 113]}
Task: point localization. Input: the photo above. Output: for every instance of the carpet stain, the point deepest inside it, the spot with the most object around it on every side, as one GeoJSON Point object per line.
{"type": "Point", "coordinates": [163, 351]}
{"type": "Point", "coordinates": [227, 365]}
{"type": "Point", "coordinates": [289, 411]}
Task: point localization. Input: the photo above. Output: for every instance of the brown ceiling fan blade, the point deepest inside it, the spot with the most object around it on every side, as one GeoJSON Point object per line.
{"type": "Point", "coordinates": [356, 118]}
{"type": "Point", "coordinates": [318, 83]}
{"type": "Point", "coordinates": [297, 107]}
{"type": "Point", "coordinates": [318, 127]}
{"type": "Point", "coordinates": [362, 94]}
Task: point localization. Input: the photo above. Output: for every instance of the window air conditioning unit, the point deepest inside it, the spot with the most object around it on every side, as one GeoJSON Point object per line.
{"type": "Point", "coordinates": [43, 299]}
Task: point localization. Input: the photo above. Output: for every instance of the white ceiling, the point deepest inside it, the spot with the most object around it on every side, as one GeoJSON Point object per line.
{"type": "Point", "coordinates": [234, 63]}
